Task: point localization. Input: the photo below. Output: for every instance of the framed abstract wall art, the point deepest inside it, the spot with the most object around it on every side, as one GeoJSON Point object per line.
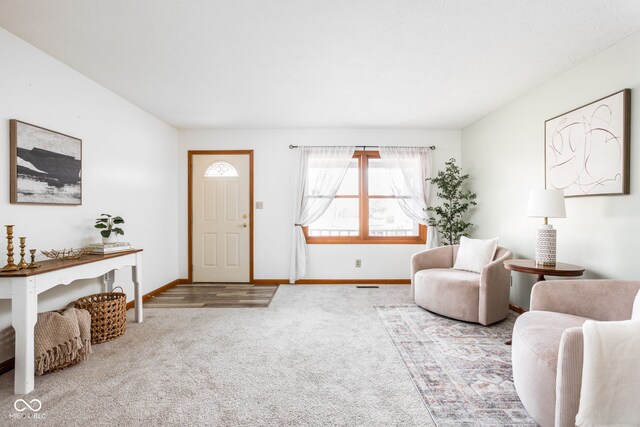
{"type": "Point", "coordinates": [45, 166]}
{"type": "Point", "coordinates": [587, 149]}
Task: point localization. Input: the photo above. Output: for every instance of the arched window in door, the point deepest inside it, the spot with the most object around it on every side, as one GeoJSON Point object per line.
{"type": "Point", "coordinates": [219, 169]}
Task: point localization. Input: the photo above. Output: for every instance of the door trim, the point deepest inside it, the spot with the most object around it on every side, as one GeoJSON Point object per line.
{"type": "Point", "coordinates": [190, 155]}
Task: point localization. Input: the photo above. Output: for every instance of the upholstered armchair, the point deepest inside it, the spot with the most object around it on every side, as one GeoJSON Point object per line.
{"type": "Point", "coordinates": [463, 295]}
{"type": "Point", "coordinates": [548, 342]}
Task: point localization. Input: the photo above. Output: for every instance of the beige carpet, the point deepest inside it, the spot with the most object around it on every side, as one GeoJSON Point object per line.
{"type": "Point", "coordinates": [318, 355]}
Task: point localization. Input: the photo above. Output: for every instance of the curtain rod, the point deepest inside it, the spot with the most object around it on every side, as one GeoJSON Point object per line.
{"type": "Point", "coordinates": [364, 147]}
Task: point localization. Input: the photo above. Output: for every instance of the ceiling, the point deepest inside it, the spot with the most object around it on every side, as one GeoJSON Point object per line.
{"type": "Point", "coordinates": [439, 64]}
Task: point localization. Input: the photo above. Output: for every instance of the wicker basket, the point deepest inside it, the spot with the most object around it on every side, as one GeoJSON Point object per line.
{"type": "Point", "coordinates": [108, 315]}
{"type": "Point", "coordinates": [63, 366]}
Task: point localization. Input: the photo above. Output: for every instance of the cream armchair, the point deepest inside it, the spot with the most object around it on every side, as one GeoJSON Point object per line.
{"type": "Point", "coordinates": [463, 295]}
{"type": "Point", "coordinates": [548, 342]}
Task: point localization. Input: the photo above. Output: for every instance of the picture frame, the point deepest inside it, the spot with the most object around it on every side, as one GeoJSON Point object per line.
{"type": "Point", "coordinates": [45, 166]}
{"type": "Point", "coordinates": [587, 149]}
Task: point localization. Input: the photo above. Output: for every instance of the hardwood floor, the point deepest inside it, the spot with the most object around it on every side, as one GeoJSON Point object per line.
{"type": "Point", "coordinates": [210, 295]}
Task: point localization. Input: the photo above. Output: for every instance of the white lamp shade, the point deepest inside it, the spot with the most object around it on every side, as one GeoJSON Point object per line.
{"type": "Point", "coordinates": [546, 204]}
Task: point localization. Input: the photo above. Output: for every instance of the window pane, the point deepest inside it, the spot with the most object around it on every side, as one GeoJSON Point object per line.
{"type": "Point", "coordinates": [387, 219]}
{"type": "Point", "coordinates": [341, 219]}
{"type": "Point", "coordinates": [379, 181]}
{"type": "Point", "coordinates": [220, 169]}
{"type": "Point", "coordinates": [379, 184]}
{"type": "Point", "coordinates": [349, 186]}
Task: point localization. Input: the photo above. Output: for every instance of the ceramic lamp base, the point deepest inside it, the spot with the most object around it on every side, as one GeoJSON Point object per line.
{"type": "Point", "coordinates": [546, 245]}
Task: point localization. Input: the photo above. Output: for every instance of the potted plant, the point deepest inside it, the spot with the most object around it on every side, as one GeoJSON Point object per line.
{"type": "Point", "coordinates": [455, 203]}
{"type": "Point", "coordinates": [108, 227]}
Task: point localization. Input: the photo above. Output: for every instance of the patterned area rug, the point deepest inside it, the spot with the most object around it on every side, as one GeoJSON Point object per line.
{"type": "Point", "coordinates": [462, 370]}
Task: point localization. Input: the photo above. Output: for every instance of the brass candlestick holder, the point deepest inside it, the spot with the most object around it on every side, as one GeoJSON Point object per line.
{"type": "Point", "coordinates": [33, 259]}
{"type": "Point", "coordinates": [10, 264]}
{"type": "Point", "coordinates": [22, 264]}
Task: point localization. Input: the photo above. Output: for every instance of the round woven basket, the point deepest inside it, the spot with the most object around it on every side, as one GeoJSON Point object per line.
{"type": "Point", "coordinates": [108, 315]}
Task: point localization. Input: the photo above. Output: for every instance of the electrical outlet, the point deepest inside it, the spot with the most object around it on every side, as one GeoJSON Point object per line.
{"type": "Point", "coordinates": [259, 205]}
{"type": "Point", "coordinates": [358, 263]}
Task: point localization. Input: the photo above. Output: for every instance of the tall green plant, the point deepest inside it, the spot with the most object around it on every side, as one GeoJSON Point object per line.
{"type": "Point", "coordinates": [455, 203]}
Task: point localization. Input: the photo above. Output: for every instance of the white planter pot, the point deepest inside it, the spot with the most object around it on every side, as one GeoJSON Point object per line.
{"type": "Point", "coordinates": [113, 237]}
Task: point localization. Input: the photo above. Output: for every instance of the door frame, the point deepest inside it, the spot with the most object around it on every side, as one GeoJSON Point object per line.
{"type": "Point", "coordinates": [190, 155]}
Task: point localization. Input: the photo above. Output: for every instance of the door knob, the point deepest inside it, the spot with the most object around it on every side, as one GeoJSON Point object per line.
{"type": "Point", "coordinates": [244, 225]}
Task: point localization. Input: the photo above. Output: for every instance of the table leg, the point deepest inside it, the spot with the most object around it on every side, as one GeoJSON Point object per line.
{"type": "Point", "coordinates": [108, 279]}
{"type": "Point", "coordinates": [24, 315]}
{"type": "Point", "coordinates": [541, 278]}
{"type": "Point", "coordinates": [136, 275]}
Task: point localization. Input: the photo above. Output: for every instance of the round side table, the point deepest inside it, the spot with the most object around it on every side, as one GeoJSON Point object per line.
{"type": "Point", "coordinates": [530, 266]}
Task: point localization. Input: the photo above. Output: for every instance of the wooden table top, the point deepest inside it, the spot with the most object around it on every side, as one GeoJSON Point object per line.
{"type": "Point", "coordinates": [58, 264]}
{"type": "Point", "coordinates": [530, 266]}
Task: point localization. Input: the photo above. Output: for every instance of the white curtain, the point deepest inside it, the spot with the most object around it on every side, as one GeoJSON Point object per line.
{"type": "Point", "coordinates": [319, 173]}
{"type": "Point", "coordinates": [408, 168]}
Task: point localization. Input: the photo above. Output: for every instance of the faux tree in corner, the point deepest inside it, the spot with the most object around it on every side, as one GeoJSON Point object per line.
{"type": "Point", "coordinates": [449, 216]}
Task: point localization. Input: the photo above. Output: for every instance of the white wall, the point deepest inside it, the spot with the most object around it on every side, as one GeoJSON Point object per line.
{"type": "Point", "coordinates": [128, 168]}
{"type": "Point", "coordinates": [504, 154]}
{"type": "Point", "coordinates": [273, 175]}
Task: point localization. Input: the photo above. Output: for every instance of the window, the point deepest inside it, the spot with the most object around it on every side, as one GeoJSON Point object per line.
{"type": "Point", "coordinates": [365, 210]}
{"type": "Point", "coordinates": [220, 169]}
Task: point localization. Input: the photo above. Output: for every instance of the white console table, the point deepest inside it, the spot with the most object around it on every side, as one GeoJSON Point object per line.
{"type": "Point", "coordinates": [22, 288]}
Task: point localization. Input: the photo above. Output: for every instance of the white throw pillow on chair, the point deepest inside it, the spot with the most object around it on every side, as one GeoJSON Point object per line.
{"type": "Point", "coordinates": [635, 314]}
{"type": "Point", "coordinates": [474, 254]}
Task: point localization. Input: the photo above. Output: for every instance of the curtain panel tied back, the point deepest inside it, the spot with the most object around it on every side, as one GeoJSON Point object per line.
{"type": "Point", "coordinates": [408, 168]}
{"type": "Point", "coordinates": [319, 173]}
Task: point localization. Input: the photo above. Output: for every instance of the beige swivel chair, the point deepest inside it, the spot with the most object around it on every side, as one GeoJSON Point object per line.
{"type": "Point", "coordinates": [548, 342]}
{"type": "Point", "coordinates": [463, 295]}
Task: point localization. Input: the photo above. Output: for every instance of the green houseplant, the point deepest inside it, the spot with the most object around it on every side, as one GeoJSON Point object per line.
{"type": "Point", "coordinates": [108, 226]}
{"type": "Point", "coordinates": [449, 216]}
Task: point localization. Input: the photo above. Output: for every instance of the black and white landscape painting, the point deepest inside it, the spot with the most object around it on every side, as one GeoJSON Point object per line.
{"type": "Point", "coordinates": [46, 167]}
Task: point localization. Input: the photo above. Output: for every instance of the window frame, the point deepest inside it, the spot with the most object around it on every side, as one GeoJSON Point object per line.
{"type": "Point", "coordinates": [364, 197]}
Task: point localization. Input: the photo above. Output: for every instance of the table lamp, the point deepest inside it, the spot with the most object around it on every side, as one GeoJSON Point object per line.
{"type": "Point", "coordinates": [546, 204]}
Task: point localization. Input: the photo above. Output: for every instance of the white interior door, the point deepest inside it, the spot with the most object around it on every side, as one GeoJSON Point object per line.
{"type": "Point", "coordinates": [220, 197]}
